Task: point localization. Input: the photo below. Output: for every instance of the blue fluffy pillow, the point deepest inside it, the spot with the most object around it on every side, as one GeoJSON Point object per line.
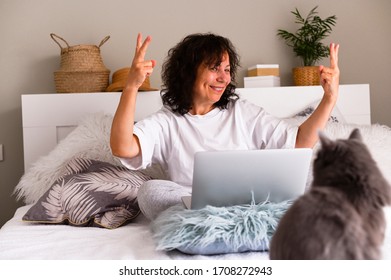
{"type": "Point", "coordinates": [218, 230]}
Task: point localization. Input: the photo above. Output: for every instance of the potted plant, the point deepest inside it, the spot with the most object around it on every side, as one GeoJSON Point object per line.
{"type": "Point", "coordinates": [307, 44]}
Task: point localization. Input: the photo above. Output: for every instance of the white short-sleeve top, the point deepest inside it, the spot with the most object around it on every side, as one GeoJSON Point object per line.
{"type": "Point", "coordinates": [170, 140]}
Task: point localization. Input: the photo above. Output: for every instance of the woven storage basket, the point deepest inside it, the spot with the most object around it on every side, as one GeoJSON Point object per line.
{"type": "Point", "coordinates": [81, 69]}
{"type": "Point", "coordinates": [306, 76]}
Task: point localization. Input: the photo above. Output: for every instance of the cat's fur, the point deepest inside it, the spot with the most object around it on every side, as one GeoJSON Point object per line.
{"type": "Point", "coordinates": [341, 216]}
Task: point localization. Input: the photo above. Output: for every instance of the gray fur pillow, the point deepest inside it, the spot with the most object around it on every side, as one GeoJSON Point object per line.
{"type": "Point", "coordinates": [218, 230]}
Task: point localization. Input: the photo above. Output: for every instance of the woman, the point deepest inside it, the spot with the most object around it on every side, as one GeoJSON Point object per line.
{"type": "Point", "coordinates": [201, 112]}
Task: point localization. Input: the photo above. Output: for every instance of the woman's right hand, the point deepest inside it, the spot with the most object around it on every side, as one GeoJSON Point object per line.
{"type": "Point", "coordinates": [123, 142]}
{"type": "Point", "coordinates": [140, 67]}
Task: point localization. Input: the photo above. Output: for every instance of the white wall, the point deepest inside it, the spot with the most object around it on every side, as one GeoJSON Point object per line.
{"type": "Point", "coordinates": [28, 56]}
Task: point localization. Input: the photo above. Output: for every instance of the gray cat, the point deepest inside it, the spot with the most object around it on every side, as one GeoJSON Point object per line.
{"type": "Point", "coordinates": [341, 216]}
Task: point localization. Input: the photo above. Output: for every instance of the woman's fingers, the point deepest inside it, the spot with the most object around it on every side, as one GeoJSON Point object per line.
{"type": "Point", "coordinates": [141, 48]}
{"type": "Point", "coordinates": [140, 67]}
{"type": "Point", "coordinates": [329, 76]}
{"type": "Point", "coordinates": [149, 65]}
{"type": "Point", "coordinates": [334, 48]}
{"type": "Point", "coordinates": [139, 56]}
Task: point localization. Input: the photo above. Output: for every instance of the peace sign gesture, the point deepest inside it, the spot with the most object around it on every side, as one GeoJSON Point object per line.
{"type": "Point", "coordinates": [329, 76]}
{"type": "Point", "coordinates": [140, 67]}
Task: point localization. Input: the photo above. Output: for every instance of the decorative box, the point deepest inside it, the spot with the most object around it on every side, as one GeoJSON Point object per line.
{"type": "Point", "coordinates": [264, 70]}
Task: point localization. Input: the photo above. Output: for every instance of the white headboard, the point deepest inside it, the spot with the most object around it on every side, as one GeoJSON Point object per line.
{"type": "Point", "coordinates": [48, 118]}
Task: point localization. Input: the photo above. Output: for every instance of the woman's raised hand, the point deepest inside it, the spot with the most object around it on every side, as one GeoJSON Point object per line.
{"type": "Point", "coordinates": [122, 141]}
{"type": "Point", "coordinates": [140, 67]}
{"type": "Point", "coordinates": [329, 76]}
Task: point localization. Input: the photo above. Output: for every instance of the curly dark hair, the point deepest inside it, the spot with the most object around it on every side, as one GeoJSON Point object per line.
{"type": "Point", "coordinates": [179, 70]}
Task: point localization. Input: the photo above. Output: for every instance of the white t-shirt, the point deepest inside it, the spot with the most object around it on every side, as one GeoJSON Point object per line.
{"type": "Point", "coordinates": [170, 140]}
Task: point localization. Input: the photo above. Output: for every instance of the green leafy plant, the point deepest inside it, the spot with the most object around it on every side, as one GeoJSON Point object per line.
{"type": "Point", "coordinates": [307, 41]}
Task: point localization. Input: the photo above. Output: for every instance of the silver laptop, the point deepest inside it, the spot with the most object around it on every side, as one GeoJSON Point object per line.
{"type": "Point", "coordinates": [225, 178]}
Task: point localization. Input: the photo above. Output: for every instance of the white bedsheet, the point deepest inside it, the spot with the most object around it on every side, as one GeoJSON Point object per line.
{"type": "Point", "coordinates": [22, 240]}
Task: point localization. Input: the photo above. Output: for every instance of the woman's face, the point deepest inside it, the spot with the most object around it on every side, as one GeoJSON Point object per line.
{"type": "Point", "coordinates": [210, 84]}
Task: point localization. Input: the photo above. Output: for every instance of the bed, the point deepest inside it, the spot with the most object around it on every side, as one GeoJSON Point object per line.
{"type": "Point", "coordinates": [54, 133]}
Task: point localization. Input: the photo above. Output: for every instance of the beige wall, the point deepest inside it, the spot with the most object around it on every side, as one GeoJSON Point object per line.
{"type": "Point", "coordinates": [28, 56]}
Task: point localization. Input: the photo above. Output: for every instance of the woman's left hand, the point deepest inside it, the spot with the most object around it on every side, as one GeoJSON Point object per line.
{"type": "Point", "coordinates": [329, 76]}
{"type": "Point", "coordinates": [329, 79]}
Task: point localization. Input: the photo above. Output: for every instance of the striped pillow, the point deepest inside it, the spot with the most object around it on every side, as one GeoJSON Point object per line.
{"type": "Point", "coordinates": [91, 193]}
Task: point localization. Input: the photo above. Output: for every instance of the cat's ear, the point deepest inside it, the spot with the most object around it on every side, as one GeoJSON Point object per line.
{"type": "Point", "coordinates": [324, 140]}
{"type": "Point", "coordinates": [355, 134]}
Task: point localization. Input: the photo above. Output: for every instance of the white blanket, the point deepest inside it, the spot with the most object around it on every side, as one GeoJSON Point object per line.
{"type": "Point", "coordinates": [20, 240]}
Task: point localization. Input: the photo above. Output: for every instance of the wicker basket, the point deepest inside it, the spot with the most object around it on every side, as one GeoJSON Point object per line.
{"type": "Point", "coordinates": [82, 68]}
{"type": "Point", "coordinates": [306, 76]}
